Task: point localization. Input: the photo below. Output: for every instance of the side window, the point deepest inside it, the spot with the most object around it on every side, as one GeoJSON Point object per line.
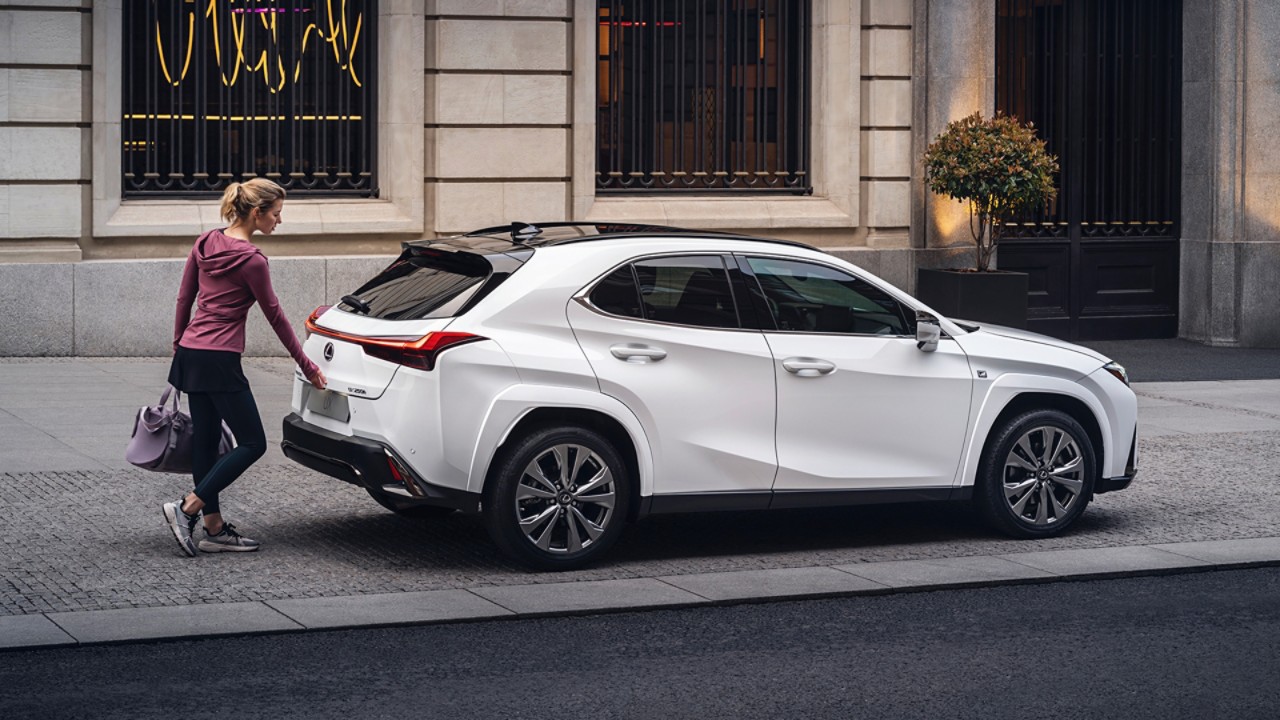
{"type": "Point", "coordinates": [687, 291]}
{"type": "Point", "coordinates": [808, 297]}
{"type": "Point", "coordinates": [617, 294]}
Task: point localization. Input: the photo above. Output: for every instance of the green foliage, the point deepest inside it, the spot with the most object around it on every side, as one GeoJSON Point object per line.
{"type": "Point", "coordinates": [998, 166]}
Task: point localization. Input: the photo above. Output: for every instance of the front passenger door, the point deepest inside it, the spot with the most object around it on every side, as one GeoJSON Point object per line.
{"type": "Point", "coordinates": [859, 406]}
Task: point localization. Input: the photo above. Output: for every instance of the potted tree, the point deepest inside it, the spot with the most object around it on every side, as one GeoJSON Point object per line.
{"type": "Point", "coordinates": [999, 167]}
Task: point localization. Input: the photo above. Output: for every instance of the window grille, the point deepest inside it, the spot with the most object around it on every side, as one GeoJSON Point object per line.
{"type": "Point", "coordinates": [703, 95]}
{"type": "Point", "coordinates": [1097, 79]}
{"type": "Point", "coordinates": [217, 91]}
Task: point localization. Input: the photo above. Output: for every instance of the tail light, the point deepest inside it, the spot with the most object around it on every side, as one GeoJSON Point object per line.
{"type": "Point", "coordinates": [311, 319]}
{"type": "Point", "coordinates": [419, 353]}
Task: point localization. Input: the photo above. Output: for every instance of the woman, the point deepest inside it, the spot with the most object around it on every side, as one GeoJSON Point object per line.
{"type": "Point", "coordinates": [225, 274]}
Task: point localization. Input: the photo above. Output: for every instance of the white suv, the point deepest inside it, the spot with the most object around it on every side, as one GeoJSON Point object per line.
{"type": "Point", "coordinates": [562, 380]}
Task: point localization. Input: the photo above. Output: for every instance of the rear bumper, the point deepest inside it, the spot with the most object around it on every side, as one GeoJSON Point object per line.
{"type": "Point", "coordinates": [368, 464]}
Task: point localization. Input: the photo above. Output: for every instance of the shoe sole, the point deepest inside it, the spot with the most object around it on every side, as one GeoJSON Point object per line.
{"type": "Point", "coordinates": [171, 517]}
{"type": "Point", "coordinates": [217, 547]}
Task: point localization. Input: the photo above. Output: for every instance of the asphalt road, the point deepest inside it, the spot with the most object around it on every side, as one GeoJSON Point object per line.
{"type": "Point", "coordinates": [1203, 645]}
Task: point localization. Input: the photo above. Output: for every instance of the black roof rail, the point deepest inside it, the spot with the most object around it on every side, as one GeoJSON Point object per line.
{"type": "Point", "coordinates": [704, 234]}
{"type": "Point", "coordinates": [531, 235]}
{"type": "Point", "coordinates": [521, 232]}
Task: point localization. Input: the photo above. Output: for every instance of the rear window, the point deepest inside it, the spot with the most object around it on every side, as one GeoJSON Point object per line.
{"type": "Point", "coordinates": [423, 284]}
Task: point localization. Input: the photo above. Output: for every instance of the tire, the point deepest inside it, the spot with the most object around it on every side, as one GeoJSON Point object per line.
{"type": "Point", "coordinates": [557, 499]}
{"type": "Point", "coordinates": [413, 510]}
{"type": "Point", "coordinates": [1037, 475]}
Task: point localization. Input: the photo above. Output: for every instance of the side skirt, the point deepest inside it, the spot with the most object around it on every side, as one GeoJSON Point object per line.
{"type": "Point", "coordinates": [787, 499]}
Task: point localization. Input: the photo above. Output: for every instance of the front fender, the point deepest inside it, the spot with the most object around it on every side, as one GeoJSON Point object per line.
{"type": "Point", "coordinates": [996, 396]}
{"type": "Point", "coordinates": [513, 404]}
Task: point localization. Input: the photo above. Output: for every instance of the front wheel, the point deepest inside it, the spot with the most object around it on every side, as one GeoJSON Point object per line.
{"type": "Point", "coordinates": [557, 498]}
{"type": "Point", "coordinates": [1037, 474]}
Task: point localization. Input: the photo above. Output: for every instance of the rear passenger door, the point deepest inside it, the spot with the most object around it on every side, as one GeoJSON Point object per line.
{"type": "Point", "coordinates": [665, 337]}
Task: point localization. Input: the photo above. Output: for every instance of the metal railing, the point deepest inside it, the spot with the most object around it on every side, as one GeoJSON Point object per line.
{"type": "Point", "coordinates": [217, 91]}
{"type": "Point", "coordinates": [703, 95]}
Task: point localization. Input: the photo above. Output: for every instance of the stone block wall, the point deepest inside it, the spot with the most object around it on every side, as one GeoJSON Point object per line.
{"type": "Point", "coordinates": [125, 308]}
{"type": "Point", "coordinates": [885, 172]}
{"type": "Point", "coordinates": [44, 128]}
{"type": "Point", "coordinates": [497, 125]}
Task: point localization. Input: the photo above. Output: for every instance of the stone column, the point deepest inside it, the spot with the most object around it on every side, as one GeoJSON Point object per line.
{"type": "Point", "coordinates": [954, 72]}
{"type": "Point", "coordinates": [1230, 251]}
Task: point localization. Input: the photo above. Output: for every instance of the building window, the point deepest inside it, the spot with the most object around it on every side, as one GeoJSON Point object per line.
{"type": "Point", "coordinates": [217, 91]}
{"type": "Point", "coordinates": [703, 95]}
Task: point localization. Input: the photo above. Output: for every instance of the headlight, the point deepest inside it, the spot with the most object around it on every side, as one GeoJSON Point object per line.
{"type": "Point", "coordinates": [1118, 371]}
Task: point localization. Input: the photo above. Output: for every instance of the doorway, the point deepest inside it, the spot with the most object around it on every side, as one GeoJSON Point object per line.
{"type": "Point", "coordinates": [1101, 81]}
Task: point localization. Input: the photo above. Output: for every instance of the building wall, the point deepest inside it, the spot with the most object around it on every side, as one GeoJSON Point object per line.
{"type": "Point", "coordinates": [45, 79]}
{"type": "Point", "coordinates": [487, 115]}
{"type": "Point", "coordinates": [498, 77]}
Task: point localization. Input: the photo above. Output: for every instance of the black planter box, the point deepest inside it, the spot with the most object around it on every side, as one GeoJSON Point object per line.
{"type": "Point", "coordinates": [997, 297]}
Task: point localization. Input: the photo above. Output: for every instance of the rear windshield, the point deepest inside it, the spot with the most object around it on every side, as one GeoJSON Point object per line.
{"type": "Point", "coordinates": [423, 284]}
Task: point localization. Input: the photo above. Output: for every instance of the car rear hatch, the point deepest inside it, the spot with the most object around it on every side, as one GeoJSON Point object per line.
{"type": "Point", "coordinates": [399, 318]}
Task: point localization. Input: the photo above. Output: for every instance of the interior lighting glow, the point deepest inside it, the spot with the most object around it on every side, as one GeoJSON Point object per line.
{"type": "Point", "coordinates": [633, 23]}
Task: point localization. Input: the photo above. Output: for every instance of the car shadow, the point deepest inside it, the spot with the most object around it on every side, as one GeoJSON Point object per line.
{"type": "Point", "coordinates": [692, 542]}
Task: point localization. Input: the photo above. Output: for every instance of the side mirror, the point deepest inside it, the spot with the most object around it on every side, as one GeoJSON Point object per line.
{"type": "Point", "coordinates": [928, 331]}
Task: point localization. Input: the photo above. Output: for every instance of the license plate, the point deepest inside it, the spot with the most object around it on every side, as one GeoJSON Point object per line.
{"type": "Point", "coordinates": [329, 404]}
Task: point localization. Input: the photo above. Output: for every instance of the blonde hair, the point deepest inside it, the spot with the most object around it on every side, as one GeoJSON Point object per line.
{"type": "Point", "coordinates": [239, 199]}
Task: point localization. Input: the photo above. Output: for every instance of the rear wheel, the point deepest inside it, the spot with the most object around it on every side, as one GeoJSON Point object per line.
{"type": "Point", "coordinates": [557, 498]}
{"type": "Point", "coordinates": [1037, 475]}
{"type": "Point", "coordinates": [413, 510]}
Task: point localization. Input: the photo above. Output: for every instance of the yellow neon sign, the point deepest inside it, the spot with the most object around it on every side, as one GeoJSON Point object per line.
{"type": "Point", "coordinates": [245, 118]}
{"type": "Point", "coordinates": [250, 20]}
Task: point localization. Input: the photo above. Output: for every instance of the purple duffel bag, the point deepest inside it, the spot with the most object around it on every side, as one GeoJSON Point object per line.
{"type": "Point", "coordinates": [162, 437]}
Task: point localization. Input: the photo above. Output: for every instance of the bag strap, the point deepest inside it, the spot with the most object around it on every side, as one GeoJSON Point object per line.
{"type": "Point", "coordinates": [177, 396]}
{"type": "Point", "coordinates": [175, 433]}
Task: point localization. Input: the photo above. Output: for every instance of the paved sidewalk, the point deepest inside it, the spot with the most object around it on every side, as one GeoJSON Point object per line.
{"type": "Point", "coordinates": [88, 559]}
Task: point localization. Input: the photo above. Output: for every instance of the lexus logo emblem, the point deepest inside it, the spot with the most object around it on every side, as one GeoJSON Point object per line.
{"type": "Point", "coordinates": [328, 351]}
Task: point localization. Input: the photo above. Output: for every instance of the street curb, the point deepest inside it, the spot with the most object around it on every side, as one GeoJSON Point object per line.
{"type": "Point", "coordinates": [542, 600]}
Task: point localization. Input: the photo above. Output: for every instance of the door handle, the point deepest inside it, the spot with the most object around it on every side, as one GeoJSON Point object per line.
{"type": "Point", "coordinates": [637, 353]}
{"type": "Point", "coordinates": [808, 367]}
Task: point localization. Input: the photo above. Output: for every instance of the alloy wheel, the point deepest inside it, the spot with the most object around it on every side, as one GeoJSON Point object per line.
{"type": "Point", "coordinates": [565, 499]}
{"type": "Point", "coordinates": [1044, 475]}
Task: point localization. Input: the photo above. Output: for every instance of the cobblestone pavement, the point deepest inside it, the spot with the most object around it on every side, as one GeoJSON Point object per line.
{"type": "Point", "coordinates": [95, 539]}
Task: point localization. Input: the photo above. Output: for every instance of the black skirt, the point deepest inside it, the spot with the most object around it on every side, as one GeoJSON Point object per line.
{"type": "Point", "coordinates": [207, 371]}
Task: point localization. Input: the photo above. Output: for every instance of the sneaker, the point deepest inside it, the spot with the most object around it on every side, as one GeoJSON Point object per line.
{"type": "Point", "coordinates": [182, 526]}
{"type": "Point", "coordinates": [228, 540]}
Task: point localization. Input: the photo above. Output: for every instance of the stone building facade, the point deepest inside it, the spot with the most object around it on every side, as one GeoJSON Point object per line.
{"type": "Point", "coordinates": [486, 115]}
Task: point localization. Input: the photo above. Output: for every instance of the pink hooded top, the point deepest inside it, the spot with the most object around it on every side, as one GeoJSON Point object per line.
{"type": "Point", "coordinates": [224, 276]}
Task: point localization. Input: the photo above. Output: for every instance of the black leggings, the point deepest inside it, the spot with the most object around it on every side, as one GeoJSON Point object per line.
{"type": "Point", "coordinates": [208, 410]}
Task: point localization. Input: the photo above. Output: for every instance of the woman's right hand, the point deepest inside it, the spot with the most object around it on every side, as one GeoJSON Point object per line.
{"type": "Point", "coordinates": [317, 379]}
